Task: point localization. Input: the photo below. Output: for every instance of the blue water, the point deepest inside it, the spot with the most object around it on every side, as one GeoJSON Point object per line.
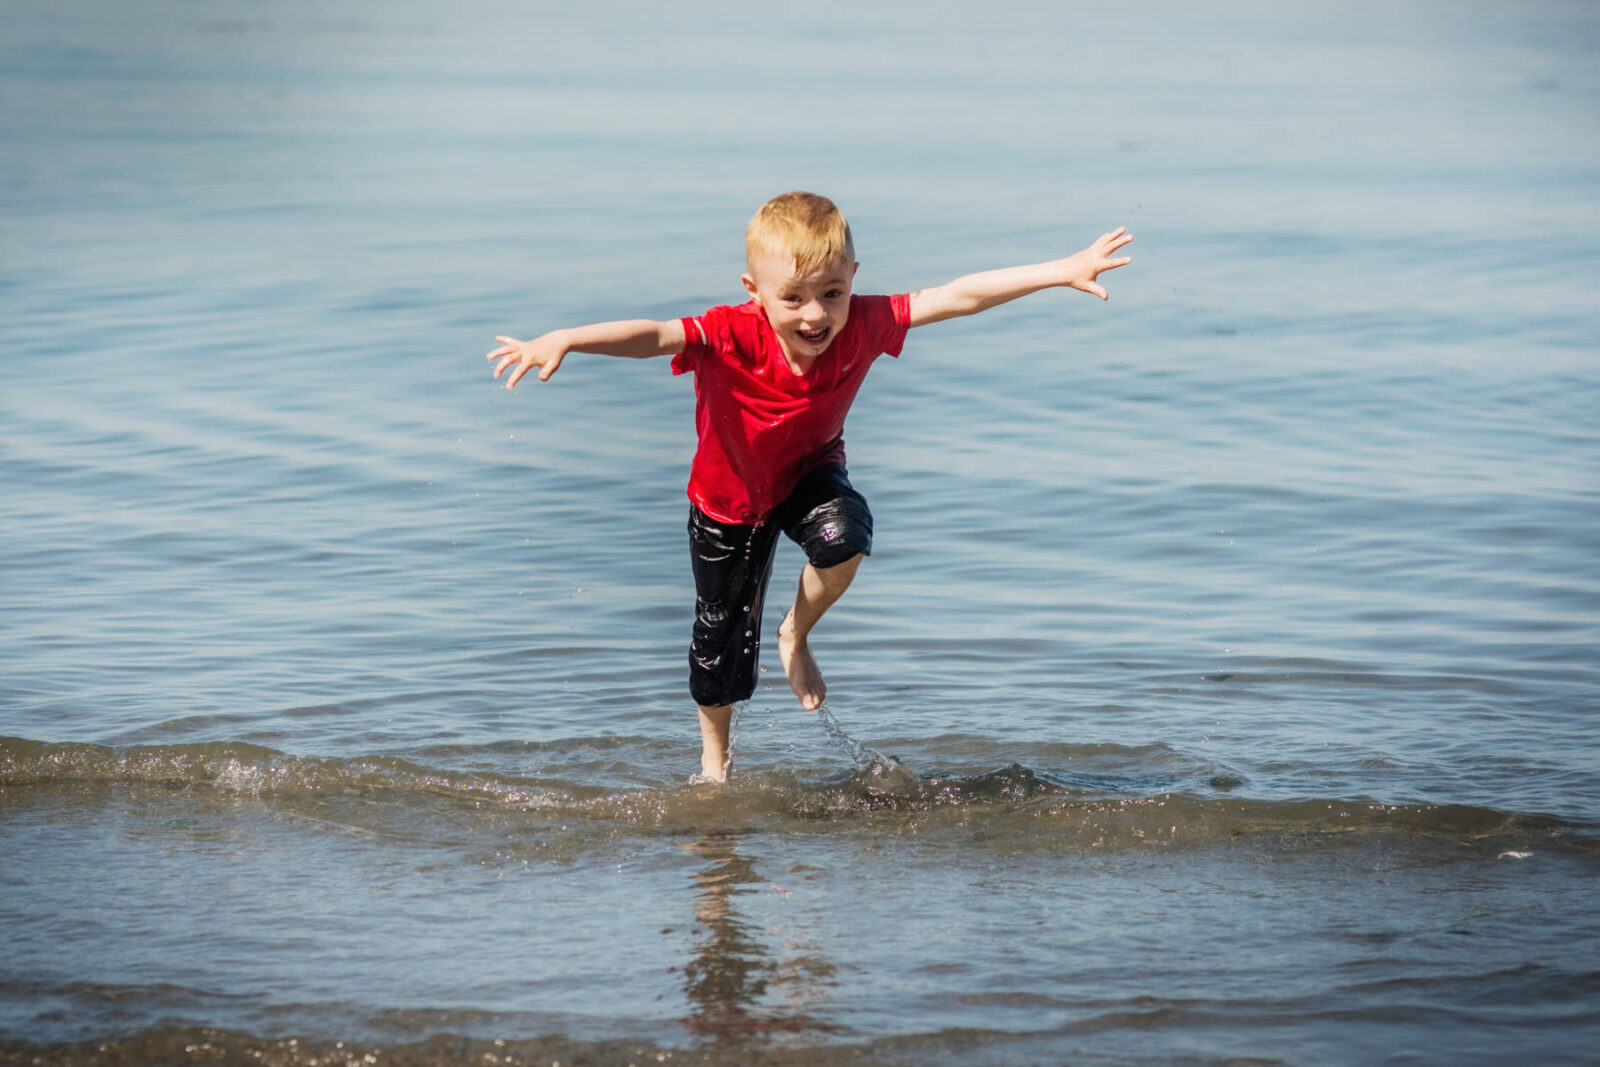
{"type": "Point", "coordinates": [1223, 683]}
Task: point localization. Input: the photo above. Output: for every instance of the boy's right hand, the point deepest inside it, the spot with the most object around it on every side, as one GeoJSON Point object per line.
{"type": "Point", "coordinates": [545, 352]}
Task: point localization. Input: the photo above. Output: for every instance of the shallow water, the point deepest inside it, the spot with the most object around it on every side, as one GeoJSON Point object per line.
{"type": "Point", "coordinates": [1223, 683]}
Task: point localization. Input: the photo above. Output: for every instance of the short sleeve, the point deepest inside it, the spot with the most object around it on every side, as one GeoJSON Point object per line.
{"type": "Point", "coordinates": [900, 304]}
{"type": "Point", "coordinates": [887, 319]}
{"type": "Point", "coordinates": [695, 345]}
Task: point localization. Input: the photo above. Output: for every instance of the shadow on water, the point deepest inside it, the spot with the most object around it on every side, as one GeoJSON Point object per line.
{"type": "Point", "coordinates": [733, 973]}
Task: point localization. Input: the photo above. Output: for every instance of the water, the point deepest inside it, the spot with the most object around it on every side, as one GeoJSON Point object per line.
{"type": "Point", "coordinates": [1223, 686]}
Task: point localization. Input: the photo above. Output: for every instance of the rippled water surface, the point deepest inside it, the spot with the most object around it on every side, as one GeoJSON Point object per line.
{"type": "Point", "coordinates": [1223, 686]}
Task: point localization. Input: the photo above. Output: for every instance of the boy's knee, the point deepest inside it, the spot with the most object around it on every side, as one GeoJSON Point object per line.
{"type": "Point", "coordinates": [827, 518]}
{"type": "Point", "coordinates": [844, 568]}
{"type": "Point", "coordinates": [843, 548]}
{"type": "Point", "coordinates": [836, 531]}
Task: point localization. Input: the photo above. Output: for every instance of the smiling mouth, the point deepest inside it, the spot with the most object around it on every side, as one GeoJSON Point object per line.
{"type": "Point", "coordinates": [813, 337]}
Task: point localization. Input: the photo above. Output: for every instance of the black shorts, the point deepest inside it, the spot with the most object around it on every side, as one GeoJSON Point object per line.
{"type": "Point", "coordinates": [824, 515]}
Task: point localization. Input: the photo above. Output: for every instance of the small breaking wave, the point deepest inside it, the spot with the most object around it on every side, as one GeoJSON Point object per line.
{"type": "Point", "coordinates": [1016, 807]}
{"type": "Point", "coordinates": [242, 768]}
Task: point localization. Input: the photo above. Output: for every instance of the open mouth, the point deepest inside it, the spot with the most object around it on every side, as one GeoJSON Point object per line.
{"type": "Point", "coordinates": [813, 337]}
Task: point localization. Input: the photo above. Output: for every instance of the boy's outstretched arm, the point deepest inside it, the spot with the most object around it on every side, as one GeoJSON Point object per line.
{"type": "Point", "coordinates": [973, 293]}
{"type": "Point", "coordinates": [630, 338]}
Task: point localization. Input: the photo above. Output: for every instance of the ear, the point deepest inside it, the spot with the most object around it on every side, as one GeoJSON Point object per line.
{"type": "Point", "coordinates": [853, 268]}
{"type": "Point", "coordinates": [750, 286]}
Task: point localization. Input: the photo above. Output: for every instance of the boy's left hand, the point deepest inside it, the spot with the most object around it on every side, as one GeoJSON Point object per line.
{"type": "Point", "coordinates": [1086, 266]}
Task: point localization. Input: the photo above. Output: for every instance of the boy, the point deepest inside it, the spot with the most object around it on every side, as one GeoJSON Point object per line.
{"type": "Point", "coordinates": [774, 379]}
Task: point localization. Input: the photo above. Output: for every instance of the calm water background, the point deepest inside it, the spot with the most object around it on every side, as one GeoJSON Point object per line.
{"type": "Point", "coordinates": [1234, 642]}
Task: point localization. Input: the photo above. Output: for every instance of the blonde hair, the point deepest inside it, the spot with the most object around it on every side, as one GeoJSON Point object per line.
{"type": "Point", "coordinates": [809, 227]}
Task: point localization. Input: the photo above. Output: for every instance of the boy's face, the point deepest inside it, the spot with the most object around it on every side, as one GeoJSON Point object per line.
{"type": "Point", "coordinates": [807, 311]}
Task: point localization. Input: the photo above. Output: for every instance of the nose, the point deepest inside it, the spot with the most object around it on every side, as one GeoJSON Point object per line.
{"type": "Point", "coordinates": [813, 311]}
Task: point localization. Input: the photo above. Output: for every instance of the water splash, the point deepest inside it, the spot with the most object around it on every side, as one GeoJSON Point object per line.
{"type": "Point", "coordinates": [878, 770]}
{"type": "Point", "coordinates": [863, 756]}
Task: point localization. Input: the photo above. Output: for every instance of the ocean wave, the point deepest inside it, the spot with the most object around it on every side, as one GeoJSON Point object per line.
{"type": "Point", "coordinates": [1012, 807]}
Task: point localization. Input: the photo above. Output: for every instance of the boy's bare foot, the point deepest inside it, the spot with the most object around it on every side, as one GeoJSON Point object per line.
{"type": "Point", "coordinates": [713, 767]}
{"type": "Point", "coordinates": [801, 669]}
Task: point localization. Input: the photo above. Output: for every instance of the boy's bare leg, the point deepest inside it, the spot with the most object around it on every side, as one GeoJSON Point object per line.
{"type": "Point", "coordinates": [819, 588]}
{"type": "Point", "coordinates": [714, 755]}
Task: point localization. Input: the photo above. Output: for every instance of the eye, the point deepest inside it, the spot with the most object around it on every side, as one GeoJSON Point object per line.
{"type": "Point", "coordinates": [833, 294]}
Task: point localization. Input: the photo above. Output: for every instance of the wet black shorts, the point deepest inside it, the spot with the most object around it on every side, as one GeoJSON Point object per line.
{"type": "Point", "coordinates": [824, 515]}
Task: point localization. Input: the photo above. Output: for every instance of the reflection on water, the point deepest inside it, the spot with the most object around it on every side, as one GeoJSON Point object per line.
{"type": "Point", "coordinates": [734, 969]}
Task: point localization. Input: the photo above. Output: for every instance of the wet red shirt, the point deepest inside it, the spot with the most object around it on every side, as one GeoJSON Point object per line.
{"type": "Point", "coordinates": [762, 426]}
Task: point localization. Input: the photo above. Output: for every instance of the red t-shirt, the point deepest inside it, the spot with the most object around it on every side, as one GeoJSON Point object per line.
{"type": "Point", "coordinates": [762, 427]}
